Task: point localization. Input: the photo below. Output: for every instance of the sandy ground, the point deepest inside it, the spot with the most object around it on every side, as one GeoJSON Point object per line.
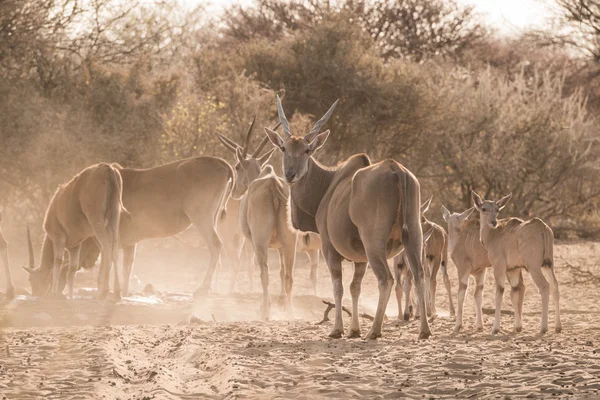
{"type": "Point", "coordinates": [146, 348]}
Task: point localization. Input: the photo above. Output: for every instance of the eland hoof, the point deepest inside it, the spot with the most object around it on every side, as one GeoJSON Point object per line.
{"type": "Point", "coordinates": [353, 334]}
{"type": "Point", "coordinates": [373, 335]}
{"type": "Point", "coordinates": [558, 329]}
{"type": "Point", "coordinates": [336, 334]}
{"type": "Point", "coordinates": [495, 331]}
{"type": "Point", "coordinates": [543, 331]}
{"type": "Point", "coordinates": [201, 292]}
{"type": "Point", "coordinates": [518, 329]}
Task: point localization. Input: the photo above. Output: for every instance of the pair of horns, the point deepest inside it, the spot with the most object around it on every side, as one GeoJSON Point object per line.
{"type": "Point", "coordinates": [233, 146]}
{"type": "Point", "coordinates": [314, 131]}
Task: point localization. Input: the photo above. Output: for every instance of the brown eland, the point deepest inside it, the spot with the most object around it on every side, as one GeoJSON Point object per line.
{"type": "Point", "coordinates": [364, 213]}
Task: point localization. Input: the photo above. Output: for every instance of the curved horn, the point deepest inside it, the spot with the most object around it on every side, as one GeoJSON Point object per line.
{"type": "Point", "coordinates": [317, 128]}
{"type": "Point", "coordinates": [247, 139]}
{"type": "Point", "coordinates": [282, 119]}
{"type": "Point", "coordinates": [30, 248]}
{"type": "Point", "coordinates": [230, 144]}
{"type": "Point", "coordinates": [263, 142]}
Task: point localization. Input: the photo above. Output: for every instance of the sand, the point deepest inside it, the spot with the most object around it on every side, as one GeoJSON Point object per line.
{"type": "Point", "coordinates": [146, 348]}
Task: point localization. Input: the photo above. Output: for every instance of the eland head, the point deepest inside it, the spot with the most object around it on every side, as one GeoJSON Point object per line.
{"type": "Point", "coordinates": [247, 167]}
{"type": "Point", "coordinates": [297, 150]}
{"type": "Point", "coordinates": [488, 209]}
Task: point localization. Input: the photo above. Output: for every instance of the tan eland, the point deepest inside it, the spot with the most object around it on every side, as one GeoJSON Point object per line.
{"type": "Point", "coordinates": [470, 258]}
{"type": "Point", "coordinates": [166, 200]}
{"type": "Point", "coordinates": [247, 169]}
{"type": "Point", "coordinates": [512, 245]}
{"type": "Point", "coordinates": [88, 206]}
{"type": "Point", "coordinates": [436, 258]}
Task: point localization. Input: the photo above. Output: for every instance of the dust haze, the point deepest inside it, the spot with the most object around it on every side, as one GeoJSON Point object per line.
{"type": "Point", "coordinates": [427, 83]}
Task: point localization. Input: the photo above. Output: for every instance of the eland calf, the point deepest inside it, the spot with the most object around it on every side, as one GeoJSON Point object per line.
{"type": "Point", "coordinates": [513, 244]}
{"type": "Point", "coordinates": [404, 276]}
{"type": "Point", "coordinates": [436, 258]}
{"type": "Point", "coordinates": [364, 213]}
{"type": "Point", "coordinates": [469, 257]}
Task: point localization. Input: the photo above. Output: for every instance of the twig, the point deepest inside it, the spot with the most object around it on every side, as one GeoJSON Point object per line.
{"type": "Point", "coordinates": [213, 317]}
{"type": "Point", "coordinates": [579, 275]}
{"type": "Point", "coordinates": [331, 306]}
{"type": "Point", "coordinates": [7, 352]}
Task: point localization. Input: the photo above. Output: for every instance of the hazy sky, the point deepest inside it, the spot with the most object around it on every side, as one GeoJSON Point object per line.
{"type": "Point", "coordinates": [508, 16]}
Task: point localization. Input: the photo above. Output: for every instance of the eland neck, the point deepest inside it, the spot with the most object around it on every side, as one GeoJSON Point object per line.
{"type": "Point", "coordinates": [307, 193]}
{"type": "Point", "coordinates": [47, 259]}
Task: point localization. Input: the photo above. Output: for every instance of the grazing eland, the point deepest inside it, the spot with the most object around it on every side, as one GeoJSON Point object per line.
{"type": "Point", "coordinates": [88, 206]}
{"type": "Point", "coordinates": [513, 244]}
{"type": "Point", "coordinates": [364, 213]}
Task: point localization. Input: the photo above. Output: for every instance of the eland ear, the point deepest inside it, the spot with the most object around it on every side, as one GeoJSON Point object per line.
{"type": "Point", "coordinates": [264, 159]}
{"type": "Point", "coordinates": [503, 201]}
{"type": "Point", "coordinates": [425, 206]}
{"type": "Point", "coordinates": [319, 141]}
{"type": "Point", "coordinates": [477, 201]}
{"type": "Point", "coordinates": [445, 213]}
{"type": "Point", "coordinates": [274, 138]}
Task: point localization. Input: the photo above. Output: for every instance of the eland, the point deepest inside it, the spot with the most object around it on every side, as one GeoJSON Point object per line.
{"type": "Point", "coordinates": [364, 213]}
{"type": "Point", "coordinates": [513, 245]}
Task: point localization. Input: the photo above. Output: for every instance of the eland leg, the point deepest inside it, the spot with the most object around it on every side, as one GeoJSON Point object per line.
{"type": "Point", "coordinates": [355, 287]}
{"type": "Point", "coordinates": [517, 294]}
{"type": "Point", "coordinates": [463, 285]}
{"type": "Point", "coordinates": [334, 262]}
{"type": "Point", "coordinates": [215, 246]}
{"type": "Point", "coordinates": [74, 254]}
{"type": "Point", "coordinates": [555, 298]}
{"type": "Point", "coordinates": [544, 288]}
{"type": "Point", "coordinates": [10, 288]}
{"type": "Point", "coordinates": [385, 282]}
{"type": "Point", "coordinates": [500, 278]}
{"type": "Point", "coordinates": [478, 295]}
{"type": "Point", "coordinates": [128, 259]}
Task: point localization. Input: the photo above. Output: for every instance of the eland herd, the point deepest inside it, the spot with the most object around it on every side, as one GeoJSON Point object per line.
{"type": "Point", "coordinates": [362, 212]}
